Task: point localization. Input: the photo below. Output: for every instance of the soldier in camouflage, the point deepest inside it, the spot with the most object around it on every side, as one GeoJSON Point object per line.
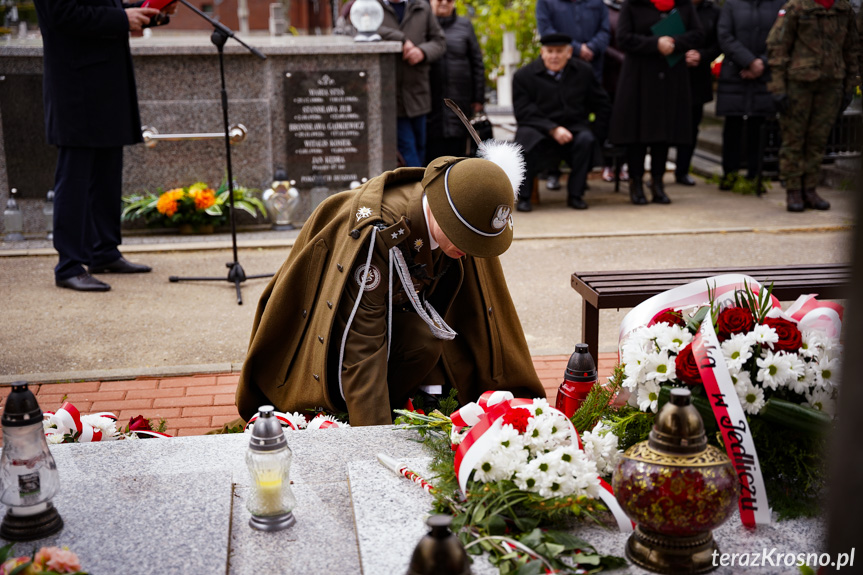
{"type": "Point", "coordinates": [812, 50]}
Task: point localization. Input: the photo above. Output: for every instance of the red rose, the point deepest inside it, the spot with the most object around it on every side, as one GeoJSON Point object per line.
{"type": "Point", "coordinates": [734, 320]}
{"type": "Point", "coordinates": [790, 338]}
{"type": "Point", "coordinates": [139, 423]}
{"type": "Point", "coordinates": [669, 316]}
{"type": "Point", "coordinates": [686, 368]}
{"type": "Point", "coordinates": [517, 417]}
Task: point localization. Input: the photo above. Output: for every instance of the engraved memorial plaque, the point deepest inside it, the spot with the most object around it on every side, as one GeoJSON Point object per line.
{"type": "Point", "coordinates": [327, 133]}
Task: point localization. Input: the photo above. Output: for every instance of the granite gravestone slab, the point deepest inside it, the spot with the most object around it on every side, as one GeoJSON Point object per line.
{"type": "Point", "coordinates": [30, 161]}
{"type": "Point", "coordinates": [327, 137]}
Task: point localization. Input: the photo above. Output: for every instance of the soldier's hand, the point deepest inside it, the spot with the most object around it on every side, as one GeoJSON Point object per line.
{"type": "Point", "coordinates": [781, 102]}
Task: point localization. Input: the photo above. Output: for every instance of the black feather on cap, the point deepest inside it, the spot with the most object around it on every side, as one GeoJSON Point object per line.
{"type": "Point", "coordinates": [555, 40]}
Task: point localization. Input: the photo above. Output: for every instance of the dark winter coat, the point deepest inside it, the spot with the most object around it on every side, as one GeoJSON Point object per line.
{"type": "Point", "coordinates": [88, 81]}
{"type": "Point", "coordinates": [743, 29]}
{"type": "Point", "coordinates": [653, 103]}
{"type": "Point", "coordinates": [459, 76]}
{"type": "Point", "coordinates": [542, 103]}
{"type": "Point", "coordinates": [419, 25]}
{"type": "Point", "coordinates": [700, 77]}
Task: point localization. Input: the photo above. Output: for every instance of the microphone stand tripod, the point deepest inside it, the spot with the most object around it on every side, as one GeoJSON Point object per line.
{"type": "Point", "coordinates": [220, 36]}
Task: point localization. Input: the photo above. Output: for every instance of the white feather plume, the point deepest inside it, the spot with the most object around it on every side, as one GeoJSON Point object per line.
{"type": "Point", "coordinates": [508, 156]}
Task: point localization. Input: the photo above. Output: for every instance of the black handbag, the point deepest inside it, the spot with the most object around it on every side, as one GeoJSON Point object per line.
{"type": "Point", "coordinates": [482, 125]}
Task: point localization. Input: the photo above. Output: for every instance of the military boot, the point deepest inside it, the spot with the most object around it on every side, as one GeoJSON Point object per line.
{"type": "Point", "coordinates": [636, 193]}
{"type": "Point", "coordinates": [794, 201]}
{"type": "Point", "coordinates": [811, 199]}
{"type": "Point", "coordinates": [657, 190]}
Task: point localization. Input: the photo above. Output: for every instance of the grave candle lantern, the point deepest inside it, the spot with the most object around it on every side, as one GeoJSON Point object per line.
{"type": "Point", "coordinates": [28, 474]}
{"type": "Point", "coordinates": [367, 16]}
{"type": "Point", "coordinates": [271, 501]}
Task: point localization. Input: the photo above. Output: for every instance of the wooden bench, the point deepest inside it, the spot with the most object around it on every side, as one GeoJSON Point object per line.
{"type": "Point", "coordinates": [627, 289]}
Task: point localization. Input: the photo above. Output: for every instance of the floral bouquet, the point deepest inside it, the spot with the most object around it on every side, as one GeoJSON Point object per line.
{"type": "Point", "coordinates": [513, 474]}
{"type": "Point", "coordinates": [45, 561]}
{"type": "Point", "coordinates": [196, 205]}
{"type": "Point", "coordinates": [67, 425]}
{"type": "Point", "coordinates": [782, 370]}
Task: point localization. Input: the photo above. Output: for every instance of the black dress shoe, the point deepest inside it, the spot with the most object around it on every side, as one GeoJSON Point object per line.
{"type": "Point", "coordinates": [636, 193]}
{"type": "Point", "coordinates": [576, 203]}
{"type": "Point", "coordinates": [685, 180]}
{"type": "Point", "coordinates": [552, 182]}
{"type": "Point", "coordinates": [83, 282]}
{"type": "Point", "coordinates": [658, 191]}
{"type": "Point", "coordinates": [121, 266]}
{"type": "Point", "coordinates": [524, 206]}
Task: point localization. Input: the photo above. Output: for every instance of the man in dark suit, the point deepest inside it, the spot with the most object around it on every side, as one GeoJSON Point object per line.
{"type": "Point", "coordinates": [553, 98]}
{"type": "Point", "coordinates": [91, 112]}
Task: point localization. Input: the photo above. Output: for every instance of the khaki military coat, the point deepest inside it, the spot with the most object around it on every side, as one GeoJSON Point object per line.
{"type": "Point", "coordinates": [286, 364]}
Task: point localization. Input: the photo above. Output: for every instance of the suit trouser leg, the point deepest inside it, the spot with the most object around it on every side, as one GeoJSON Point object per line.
{"type": "Point", "coordinates": [732, 138]}
{"type": "Point", "coordinates": [542, 156]}
{"type": "Point", "coordinates": [685, 152]}
{"type": "Point", "coordinates": [414, 359]}
{"type": "Point", "coordinates": [580, 161]}
{"type": "Point", "coordinates": [87, 205]}
{"type": "Point", "coordinates": [106, 205]}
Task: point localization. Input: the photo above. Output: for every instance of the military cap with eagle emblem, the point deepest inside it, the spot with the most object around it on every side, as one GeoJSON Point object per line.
{"type": "Point", "coordinates": [472, 198]}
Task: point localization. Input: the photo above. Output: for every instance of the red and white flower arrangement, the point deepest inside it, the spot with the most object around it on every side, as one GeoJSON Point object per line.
{"type": "Point", "coordinates": [67, 425]}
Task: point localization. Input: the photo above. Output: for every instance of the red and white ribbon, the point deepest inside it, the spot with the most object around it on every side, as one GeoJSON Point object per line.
{"type": "Point", "coordinates": [811, 314]}
{"type": "Point", "coordinates": [691, 294]}
{"type": "Point", "coordinates": [68, 420]}
{"type": "Point", "coordinates": [325, 422]}
{"type": "Point", "coordinates": [753, 504]}
{"type": "Point", "coordinates": [282, 417]}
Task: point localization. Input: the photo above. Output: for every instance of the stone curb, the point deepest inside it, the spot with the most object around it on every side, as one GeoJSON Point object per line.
{"type": "Point", "coordinates": [122, 373]}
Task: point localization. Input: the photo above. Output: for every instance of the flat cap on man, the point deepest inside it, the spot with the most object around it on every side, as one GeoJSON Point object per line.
{"type": "Point", "coordinates": [555, 39]}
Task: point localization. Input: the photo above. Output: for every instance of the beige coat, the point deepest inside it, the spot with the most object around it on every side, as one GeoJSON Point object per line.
{"type": "Point", "coordinates": [299, 311]}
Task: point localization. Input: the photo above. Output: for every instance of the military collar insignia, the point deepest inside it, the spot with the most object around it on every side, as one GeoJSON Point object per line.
{"type": "Point", "coordinates": [401, 232]}
{"type": "Point", "coordinates": [418, 244]}
{"type": "Point", "coordinates": [363, 213]}
{"type": "Point", "coordinates": [501, 217]}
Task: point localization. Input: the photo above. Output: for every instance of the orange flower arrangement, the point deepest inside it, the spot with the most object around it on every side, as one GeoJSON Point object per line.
{"type": "Point", "coordinates": [196, 205]}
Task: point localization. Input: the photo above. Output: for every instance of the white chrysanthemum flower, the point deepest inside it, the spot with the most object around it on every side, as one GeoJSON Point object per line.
{"type": "Point", "coordinates": [822, 400]}
{"type": "Point", "coordinates": [799, 380]}
{"type": "Point", "coordinates": [492, 467]}
{"type": "Point", "coordinates": [527, 476]}
{"type": "Point", "coordinates": [830, 372]}
{"type": "Point", "coordinates": [737, 350]}
{"type": "Point", "coordinates": [659, 367]}
{"type": "Point", "coordinates": [833, 348]}
{"type": "Point", "coordinates": [811, 343]}
{"type": "Point", "coordinates": [751, 398]}
{"type": "Point", "coordinates": [774, 369]}
{"type": "Point", "coordinates": [54, 438]}
{"type": "Point", "coordinates": [582, 471]}
{"type": "Point", "coordinates": [764, 334]}
{"type": "Point", "coordinates": [540, 434]}
{"type": "Point", "coordinates": [297, 419]}
{"type": "Point", "coordinates": [600, 446]}
{"type": "Point", "coordinates": [457, 434]}
{"type": "Point", "coordinates": [739, 377]}
{"type": "Point", "coordinates": [106, 425]}
{"type": "Point", "coordinates": [674, 338]}
{"type": "Point", "coordinates": [648, 396]}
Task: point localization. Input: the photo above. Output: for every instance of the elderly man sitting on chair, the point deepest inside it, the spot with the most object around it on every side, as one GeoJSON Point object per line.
{"type": "Point", "coordinates": [553, 98]}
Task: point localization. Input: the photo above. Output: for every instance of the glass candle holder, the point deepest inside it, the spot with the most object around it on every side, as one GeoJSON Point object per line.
{"type": "Point", "coordinates": [271, 500]}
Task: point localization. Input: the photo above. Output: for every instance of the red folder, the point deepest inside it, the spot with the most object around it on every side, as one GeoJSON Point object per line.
{"type": "Point", "coordinates": [158, 4]}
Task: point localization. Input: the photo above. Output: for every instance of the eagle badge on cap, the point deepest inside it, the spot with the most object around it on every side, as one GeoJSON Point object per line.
{"type": "Point", "coordinates": [501, 216]}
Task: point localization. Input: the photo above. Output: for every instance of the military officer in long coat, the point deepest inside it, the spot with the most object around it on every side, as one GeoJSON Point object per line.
{"type": "Point", "coordinates": [390, 287]}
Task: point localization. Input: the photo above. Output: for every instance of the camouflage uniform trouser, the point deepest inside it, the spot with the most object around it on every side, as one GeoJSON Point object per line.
{"type": "Point", "coordinates": [812, 111]}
